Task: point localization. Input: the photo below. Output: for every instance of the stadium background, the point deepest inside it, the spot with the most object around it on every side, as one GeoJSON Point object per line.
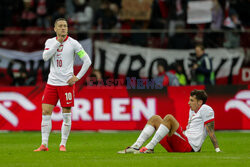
{"type": "Point", "coordinates": [125, 39]}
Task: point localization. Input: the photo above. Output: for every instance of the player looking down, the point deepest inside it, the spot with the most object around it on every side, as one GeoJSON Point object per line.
{"type": "Point", "coordinates": [61, 50]}
{"type": "Point", "coordinates": [170, 135]}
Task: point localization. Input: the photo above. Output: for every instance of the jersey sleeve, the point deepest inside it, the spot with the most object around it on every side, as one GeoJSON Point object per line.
{"type": "Point", "coordinates": [86, 63]}
{"type": "Point", "coordinates": [77, 47]}
{"type": "Point", "coordinates": [207, 114]}
{"type": "Point", "coordinates": [50, 49]}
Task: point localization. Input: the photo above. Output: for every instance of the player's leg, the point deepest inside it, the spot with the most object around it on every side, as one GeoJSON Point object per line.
{"type": "Point", "coordinates": [66, 95]}
{"type": "Point", "coordinates": [46, 122]}
{"type": "Point", "coordinates": [45, 126]}
{"type": "Point", "coordinates": [49, 100]}
{"type": "Point", "coordinates": [168, 126]}
{"type": "Point", "coordinates": [152, 124]}
{"type": "Point", "coordinates": [66, 127]}
{"type": "Point", "coordinates": [178, 142]}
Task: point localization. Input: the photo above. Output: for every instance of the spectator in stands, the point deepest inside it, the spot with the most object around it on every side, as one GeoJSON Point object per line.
{"type": "Point", "coordinates": [9, 13]}
{"type": "Point", "coordinates": [232, 39]}
{"type": "Point", "coordinates": [59, 13]}
{"type": "Point", "coordinates": [28, 17]}
{"type": "Point", "coordinates": [20, 77]}
{"type": "Point", "coordinates": [159, 15]}
{"type": "Point", "coordinates": [166, 77]}
{"type": "Point", "coordinates": [42, 13]}
{"type": "Point", "coordinates": [217, 16]}
{"type": "Point", "coordinates": [83, 17]}
{"type": "Point", "coordinates": [180, 40]}
{"type": "Point", "coordinates": [177, 14]}
{"type": "Point", "coordinates": [215, 39]}
{"type": "Point", "coordinates": [139, 39]}
{"type": "Point", "coordinates": [202, 69]}
{"type": "Point", "coordinates": [69, 7]}
{"type": "Point", "coordinates": [105, 18]}
{"type": "Point", "coordinates": [180, 75]}
{"type": "Point", "coordinates": [242, 8]}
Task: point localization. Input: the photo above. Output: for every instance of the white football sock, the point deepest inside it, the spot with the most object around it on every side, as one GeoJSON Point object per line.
{"type": "Point", "coordinates": [145, 134]}
{"type": "Point", "coordinates": [66, 126]}
{"type": "Point", "coordinates": [159, 135]}
{"type": "Point", "coordinates": [45, 129]}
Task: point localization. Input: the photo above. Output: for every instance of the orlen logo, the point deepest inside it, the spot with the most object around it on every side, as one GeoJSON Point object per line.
{"type": "Point", "coordinates": [241, 102]}
{"type": "Point", "coordinates": [118, 112]}
{"type": "Point", "coordinates": [7, 99]}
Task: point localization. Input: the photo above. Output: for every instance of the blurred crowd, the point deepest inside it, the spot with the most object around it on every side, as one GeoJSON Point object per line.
{"type": "Point", "coordinates": [84, 15]}
{"type": "Point", "coordinates": [170, 75]}
{"type": "Point", "coordinates": [229, 19]}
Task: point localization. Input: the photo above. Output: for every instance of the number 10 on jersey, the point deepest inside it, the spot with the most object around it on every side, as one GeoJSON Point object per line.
{"type": "Point", "coordinates": [68, 96]}
{"type": "Point", "coordinates": [59, 63]}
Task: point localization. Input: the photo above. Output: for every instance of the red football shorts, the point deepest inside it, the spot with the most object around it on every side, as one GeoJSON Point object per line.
{"type": "Point", "coordinates": [178, 142]}
{"type": "Point", "coordinates": [66, 95]}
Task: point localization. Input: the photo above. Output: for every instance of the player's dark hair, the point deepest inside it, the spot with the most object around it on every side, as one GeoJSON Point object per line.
{"type": "Point", "coordinates": [60, 19]}
{"type": "Point", "coordinates": [200, 95]}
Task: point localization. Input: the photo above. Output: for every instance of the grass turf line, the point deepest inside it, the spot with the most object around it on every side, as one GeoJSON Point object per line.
{"type": "Point", "coordinates": [100, 149]}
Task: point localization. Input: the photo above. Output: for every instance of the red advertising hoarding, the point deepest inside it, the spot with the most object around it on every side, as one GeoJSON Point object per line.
{"type": "Point", "coordinates": [119, 108]}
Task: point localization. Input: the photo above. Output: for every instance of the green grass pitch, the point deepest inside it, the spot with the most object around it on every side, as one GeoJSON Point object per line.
{"type": "Point", "coordinates": [99, 149]}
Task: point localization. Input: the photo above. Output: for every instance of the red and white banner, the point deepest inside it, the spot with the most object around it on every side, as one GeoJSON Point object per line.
{"type": "Point", "coordinates": [124, 60]}
{"type": "Point", "coordinates": [118, 108]}
{"type": "Point", "coordinates": [244, 77]}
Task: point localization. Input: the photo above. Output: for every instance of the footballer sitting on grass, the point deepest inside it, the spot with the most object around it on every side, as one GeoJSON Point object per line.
{"type": "Point", "coordinates": [170, 135]}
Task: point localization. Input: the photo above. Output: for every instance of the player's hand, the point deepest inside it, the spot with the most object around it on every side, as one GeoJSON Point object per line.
{"type": "Point", "coordinates": [72, 80]}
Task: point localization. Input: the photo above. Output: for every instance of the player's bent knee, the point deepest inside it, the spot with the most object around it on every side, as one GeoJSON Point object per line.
{"type": "Point", "coordinates": [155, 121]}
{"type": "Point", "coordinates": [155, 118]}
{"type": "Point", "coordinates": [170, 121]}
{"type": "Point", "coordinates": [169, 117]}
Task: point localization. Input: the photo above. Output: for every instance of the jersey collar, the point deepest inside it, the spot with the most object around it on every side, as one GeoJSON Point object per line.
{"type": "Point", "coordinates": [65, 38]}
{"type": "Point", "coordinates": [198, 109]}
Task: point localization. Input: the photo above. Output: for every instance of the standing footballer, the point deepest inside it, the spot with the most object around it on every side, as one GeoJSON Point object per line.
{"type": "Point", "coordinates": [61, 50]}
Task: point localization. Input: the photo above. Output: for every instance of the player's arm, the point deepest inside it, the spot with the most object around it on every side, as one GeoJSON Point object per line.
{"type": "Point", "coordinates": [210, 130]}
{"type": "Point", "coordinates": [50, 49]}
{"type": "Point", "coordinates": [86, 64]}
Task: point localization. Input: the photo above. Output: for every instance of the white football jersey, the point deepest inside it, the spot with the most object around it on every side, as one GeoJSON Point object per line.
{"type": "Point", "coordinates": [196, 131]}
{"type": "Point", "coordinates": [62, 59]}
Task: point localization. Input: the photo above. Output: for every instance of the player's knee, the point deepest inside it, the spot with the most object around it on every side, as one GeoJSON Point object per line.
{"type": "Point", "coordinates": [66, 110]}
{"type": "Point", "coordinates": [170, 121]}
{"type": "Point", "coordinates": [168, 117]}
{"type": "Point", "coordinates": [155, 118]}
{"type": "Point", "coordinates": [47, 109]}
{"type": "Point", "coordinates": [46, 112]}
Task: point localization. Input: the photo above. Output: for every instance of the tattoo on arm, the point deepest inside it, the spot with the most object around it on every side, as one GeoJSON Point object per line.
{"type": "Point", "coordinates": [210, 130]}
